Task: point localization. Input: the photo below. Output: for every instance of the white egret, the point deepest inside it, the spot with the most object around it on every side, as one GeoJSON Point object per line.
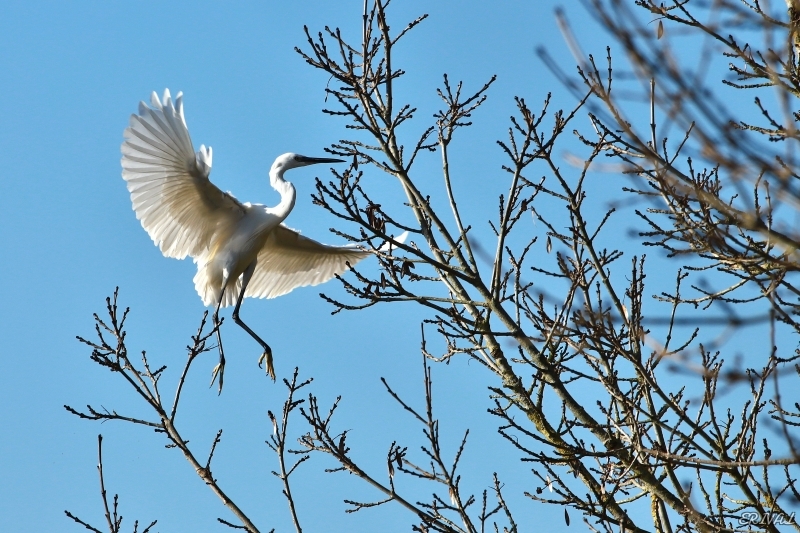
{"type": "Point", "coordinates": [240, 249]}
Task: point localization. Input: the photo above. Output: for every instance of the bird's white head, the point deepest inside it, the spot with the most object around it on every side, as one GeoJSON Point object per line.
{"type": "Point", "coordinates": [291, 160]}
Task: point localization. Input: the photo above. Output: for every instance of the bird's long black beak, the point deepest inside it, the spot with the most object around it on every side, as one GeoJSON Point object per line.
{"type": "Point", "coordinates": [315, 160]}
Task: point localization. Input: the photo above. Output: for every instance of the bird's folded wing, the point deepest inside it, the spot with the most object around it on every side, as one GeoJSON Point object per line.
{"type": "Point", "coordinates": [289, 260]}
{"type": "Point", "coordinates": [172, 196]}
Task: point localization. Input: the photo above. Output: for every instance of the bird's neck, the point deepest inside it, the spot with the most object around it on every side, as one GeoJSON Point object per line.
{"type": "Point", "coordinates": [287, 192]}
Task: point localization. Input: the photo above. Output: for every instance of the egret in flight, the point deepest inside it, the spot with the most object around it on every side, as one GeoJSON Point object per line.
{"type": "Point", "coordinates": [241, 249]}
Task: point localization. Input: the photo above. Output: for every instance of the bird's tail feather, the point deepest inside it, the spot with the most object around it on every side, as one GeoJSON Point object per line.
{"type": "Point", "coordinates": [208, 283]}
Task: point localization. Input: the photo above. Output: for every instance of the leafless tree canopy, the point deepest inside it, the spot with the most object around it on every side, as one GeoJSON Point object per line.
{"type": "Point", "coordinates": [710, 186]}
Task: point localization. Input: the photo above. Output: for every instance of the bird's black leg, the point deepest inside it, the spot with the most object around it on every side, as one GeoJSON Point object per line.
{"type": "Point", "coordinates": [219, 370]}
{"type": "Point", "coordinates": [266, 357]}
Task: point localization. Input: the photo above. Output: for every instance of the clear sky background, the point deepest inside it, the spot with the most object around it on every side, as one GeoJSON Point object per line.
{"type": "Point", "coordinates": [71, 73]}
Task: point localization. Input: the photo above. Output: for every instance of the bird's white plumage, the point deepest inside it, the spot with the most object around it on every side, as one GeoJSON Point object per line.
{"type": "Point", "coordinates": [187, 215]}
{"type": "Point", "coordinates": [288, 260]}
{"type": "Point", "coordinates": [181, 210]}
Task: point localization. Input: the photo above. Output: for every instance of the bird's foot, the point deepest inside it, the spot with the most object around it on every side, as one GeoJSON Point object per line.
{"type": "Point", "coordinates": [219, 370]}
{"type": "Point", "coordinates": [266, 358]}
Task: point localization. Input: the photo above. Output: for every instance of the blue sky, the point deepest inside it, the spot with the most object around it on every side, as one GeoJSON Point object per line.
{"type": "Point", "coordinates": [70, 76]}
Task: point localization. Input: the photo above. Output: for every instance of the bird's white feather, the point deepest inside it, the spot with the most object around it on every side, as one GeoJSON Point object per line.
{"type": "Point", "coordinates": [208, 284]}
{"type": "Point", "coordinates": [288, 260]}
{"type": "Point", "coordinates": [186, 215]}
{"type": "Point", "coordinates": [181, 210]}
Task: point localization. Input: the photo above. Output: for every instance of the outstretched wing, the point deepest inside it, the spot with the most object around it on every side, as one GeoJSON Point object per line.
{"type": "Point", "coordinates": [288, 260]}
{"type": "Point", "coordinates": [178, 206]}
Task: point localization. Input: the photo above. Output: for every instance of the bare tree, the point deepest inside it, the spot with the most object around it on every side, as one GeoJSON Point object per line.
{"type": "Point", "coordinates": [718, 196]}
{"type": "Point", "coordinates": [113, 518]}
